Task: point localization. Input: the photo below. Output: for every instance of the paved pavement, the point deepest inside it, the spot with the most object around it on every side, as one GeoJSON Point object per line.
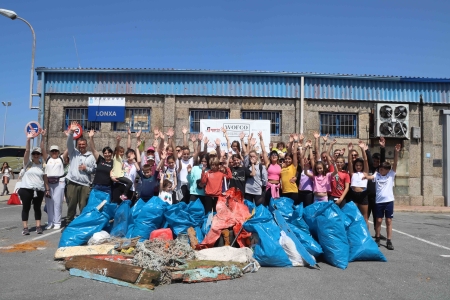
{"type": "Point", "coordinates": [418, 268]}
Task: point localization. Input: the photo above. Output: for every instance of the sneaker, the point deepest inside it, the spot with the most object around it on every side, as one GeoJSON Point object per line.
{"type": "Point", "coordinates": [57, 226]}
{"type": "Point", "coordinates": [49, 226]}
{"type": "Point", "coordinates": [39, 230]}
{"type": "Point", "coordinates": [123, 197]}
{"type": "Point", "coordinates": [25, 231]}
{"type": "Point", "coordinates": [389, 245]}
{"type": "Point", "coordinates": [377, 240]}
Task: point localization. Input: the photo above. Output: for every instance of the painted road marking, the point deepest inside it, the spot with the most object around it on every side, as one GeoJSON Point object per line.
{"type": "Point", "coordinates": [417, 238]}
{"type": "Point", "coordinates": [445, 255]}
{"type": "Point", "coordinates": [11, 206]}
{"type": "Point", "coordinates": [42, 236]}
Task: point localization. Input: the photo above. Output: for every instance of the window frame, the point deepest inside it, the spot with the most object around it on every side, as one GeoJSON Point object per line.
{"type": "Point", "coordinates": [86, 125]}
{"type": "Point", "coordinates": [260, 114]}
{"type": "Point", "coordinates": [132, 127]}
{"type": "Point", "coordinates": [337, 124]}
{"type": "Point", "coordinates": [209, 112]}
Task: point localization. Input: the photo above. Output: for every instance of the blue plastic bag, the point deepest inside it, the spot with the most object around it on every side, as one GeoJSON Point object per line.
{"type": "Point", "coordinates": [207, 221]}
{"type": "Point", "coordinates": [284, 205]}
{"type": "Point", "coordinates": [297, 219]}
{"type": "Point", "coordinates": [267, 250]}
{"type": "Point", "coordinates": [122, 218]}
{"type": "Point", "coordinates": [180, 217]}
{"type": "Point", "coordinates": [250, 205]}
{"type": "Point", "coordinates": [95, 198]}
{"type": "Point", "coordinates": [332, 235]}
{"type": "Point", "coordinates": [307, 241]}
{"type": "Point", "coordinates": [150, 217]}
{"type": "Point", "coordinates": [135, 211]}
{"type": "Point", "coordinates": [362, 246]}
{"type": "Point", "coordinates": [309, 215]}
{"type": "Point", "coordinates": [82, 228]}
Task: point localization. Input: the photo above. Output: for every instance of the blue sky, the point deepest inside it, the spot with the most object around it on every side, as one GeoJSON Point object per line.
{"type": "Point", "coordinates": [409, 38]}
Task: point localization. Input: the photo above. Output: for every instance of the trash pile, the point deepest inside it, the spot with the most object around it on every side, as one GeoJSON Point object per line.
{"type": "Point", "coordinates": [153, 243]}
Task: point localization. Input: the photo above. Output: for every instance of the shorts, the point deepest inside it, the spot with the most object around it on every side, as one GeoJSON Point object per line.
{"type": "Point", "coordinates": [359, 197]}
{"type": "Point", "coordinates": [385, 209]}
{"type": "Point", "coordinates": [320, 198]}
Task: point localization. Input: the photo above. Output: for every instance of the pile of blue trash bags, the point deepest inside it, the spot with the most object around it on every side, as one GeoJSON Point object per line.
{"type": "Point", "coordinates": [320, 231]}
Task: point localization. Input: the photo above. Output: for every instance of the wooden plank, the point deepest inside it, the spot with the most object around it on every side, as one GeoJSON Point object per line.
{"type": "Point", "coordinates": [111, 269]}
{"type": "Point", "coordinates": [148, 277]}
{"type": "Point", "coordinates": [64, 252]}
{"type": "Point", "coordinates": [88, 275]}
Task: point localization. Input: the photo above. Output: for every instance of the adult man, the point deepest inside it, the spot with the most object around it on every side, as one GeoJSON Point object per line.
{"type": "Point", "coordinates": [82, 164]}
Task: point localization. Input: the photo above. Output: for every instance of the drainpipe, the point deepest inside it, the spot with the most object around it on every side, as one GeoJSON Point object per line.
{"type": "Point", "coordinates": [41, 113]}
{"type": "Point", "coordinates": [302, 102]}
{"type": "Point", "coordinates": [446, 155]}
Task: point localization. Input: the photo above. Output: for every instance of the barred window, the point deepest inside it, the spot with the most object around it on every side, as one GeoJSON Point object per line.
{"type": "Point", "coordinates": [339, 125]}
{"type": "Point", "coordinates": [79, 115]}
{"type": "Point", "coordinates": [273, 116]}
{"type": "Point", "coordinates": [196, 115]}
{"type": "Point", "coordinates": [136, 119]}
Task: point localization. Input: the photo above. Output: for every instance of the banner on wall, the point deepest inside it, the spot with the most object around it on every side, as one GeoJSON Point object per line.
{"type": "Point", "coordinates": [106, 109]}
{"type": "Point", "coordinates": [212, 129]}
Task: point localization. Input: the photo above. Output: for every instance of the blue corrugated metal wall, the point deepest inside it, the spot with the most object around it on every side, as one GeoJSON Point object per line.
{"type": "Point", "coordinates": [396, 90]}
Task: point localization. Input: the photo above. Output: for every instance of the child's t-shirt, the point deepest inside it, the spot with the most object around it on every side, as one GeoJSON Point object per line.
{"type": "Point", "coordinates": [322, 184]}
{"type": "Point", "coordinates": [170, 174]}
{"type": "Point", "coordinates": [338, 183]}
{"type": "Point", "coordinates": [384, 186]}
{"type": "Point", "coordinates": [287, 174]}
{"type": "Point", "coordinates": [118, 169]}
{"type": "Point", "coordinates": [166, 197]}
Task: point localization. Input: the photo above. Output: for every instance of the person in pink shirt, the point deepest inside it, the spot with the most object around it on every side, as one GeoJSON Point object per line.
{"type": "Point", "coordinates": [321, 177]}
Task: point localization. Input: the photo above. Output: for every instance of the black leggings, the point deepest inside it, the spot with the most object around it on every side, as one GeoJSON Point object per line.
{"type": "Point", "coordinates": [186, 193]}
{"type": "Point", "coordinates": [26, 195]}
{"type": "Point", "coordinates": [306, 197]}
{"type": "Point", "coordinates": [293, 196]}
{"type": "Point", "coordinates": [194, 197]}
{"type": "Point", "coordinates": [209, 203]}
{"type": "Point", "coordinates": [127, 182]}
{"type": "Point", "coordinates": [257, 199]}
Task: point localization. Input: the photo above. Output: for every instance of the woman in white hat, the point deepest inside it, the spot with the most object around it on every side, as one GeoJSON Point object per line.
{"type": "Point", "coordinates": [54, 170]}
{"type": "Point", "coordinates": [33, 187]}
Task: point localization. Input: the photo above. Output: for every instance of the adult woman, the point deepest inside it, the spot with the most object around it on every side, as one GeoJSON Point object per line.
{"type": "Point", "coordinates": [33, 187]}
{"type": "Point", "coordinates": [131, 165]}
{"type": "Point", "coordinates": [6, 173]}
{"type": "Point", "coordinates": [102, 180]}
{"type": "Point", "coordinates": [54, 170]}
{"type": "Point", "coordinates": [289, 170]}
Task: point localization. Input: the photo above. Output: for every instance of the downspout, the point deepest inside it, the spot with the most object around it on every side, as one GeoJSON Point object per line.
{"type": "Point", "coordinates": [446, 155]}
{"type": "Point", "coordinates": [42, 104]}
{"type": "Point", "coordinates": [422, 149]}
{"type": "Point", "coordinates": [302, 102]}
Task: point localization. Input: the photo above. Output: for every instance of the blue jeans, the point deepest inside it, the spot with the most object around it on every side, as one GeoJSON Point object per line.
{"type": "Point", "coordinates": [103, 188]}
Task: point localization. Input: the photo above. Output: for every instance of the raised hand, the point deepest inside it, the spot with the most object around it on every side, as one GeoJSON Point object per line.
{"type": "Point", "coordinates": [242, 135]}
{"type": "Point", "coordinates": [291, 138]}
{"type": "Point", "coordinates": [206, 140]}
{"type": "Point", "coordinates": [350, 146]}
{"type": "Point", "coordinates": [295, 136]}
{"type": "Point", "coordinates": [189, 168]}
{"type": "Point", "coordinates": [301, 137]}
{"type": "Point", "coordinates": [138, 134]}
{"type": "Point", "coordinates": [179, 154]}
{"type": "Point", "coordinates": [138, 144]}
{"type": "Point", "coordinates": [193, 138]}
{"type": "Point", "coordinates": [66, 132]}
{"type": "Point", "coordinates": [42, 131]}
{"type": "Point", "coordinates": [30, 135]}
{"type": "Point", "coordinates": [260, 135]}
{"type": "Point", "coordinates": [217, 142]}
{"type": "Point", "coordinates": [361, 144]}
{"type": "Point", "coordinates": [334, 141]}
{"type": "Point", "coordinates": [118, 138]}
{"type": "Point", "coordinates": [398, 147]}
{"type": "Point", "coordinates": [316, 134]}
{"type": "Point", "coordinates": [366, 147]}
{"type": "Point", "coordinates": [253, 142]}
{"type": "Point", "coordinates": [170, 132]}
{"type": "Point", "coordinates": [164, 155]}
{"type": "Point", "coordinates": [343, 151]}
{"type": "Point", "coordinates": [325, 138]}
{"type": "Point", "coordinates": [155, 144]}
{"type": "Point", "coordinates": [224, 130]}
{"type": "Point", "coordinates": [382, 142]}
{"type": "Point", "coordinates": [308, 143]}
{"type": "Point", "coordinates": [161, 135]}
{"type": "Point", "coordinates": [156, 133]}
{"type": "Point", "coordinates": [200, 136]}
{"type": "Point", "coordinates": [91, 133]}
{"type": "Point", "coordinates": [73, 126]}
{"type": "Point", "coordinates": [184, 130]}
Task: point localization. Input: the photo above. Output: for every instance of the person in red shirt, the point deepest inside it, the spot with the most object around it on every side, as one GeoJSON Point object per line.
{"type": "Point", "coordinates": [213, 181]}
{"type": "Point", "coordinates": [340, 183]}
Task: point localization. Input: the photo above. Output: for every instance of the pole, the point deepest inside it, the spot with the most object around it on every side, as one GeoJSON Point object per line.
{"type": "Point", "coordinates": [4, 124]}
{"type": "Point", "coordinates": [32, 63]}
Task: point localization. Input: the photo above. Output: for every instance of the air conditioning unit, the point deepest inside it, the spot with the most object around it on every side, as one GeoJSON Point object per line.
{"type": "Point", "coordinates": [392, 120]}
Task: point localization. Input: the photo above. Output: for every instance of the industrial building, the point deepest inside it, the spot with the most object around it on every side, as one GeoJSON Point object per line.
{"type": "Point", "coordinates": [412, 111]}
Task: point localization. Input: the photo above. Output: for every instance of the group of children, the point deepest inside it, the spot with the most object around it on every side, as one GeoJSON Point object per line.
{"type": "Point", "coordinates": [297, 170]}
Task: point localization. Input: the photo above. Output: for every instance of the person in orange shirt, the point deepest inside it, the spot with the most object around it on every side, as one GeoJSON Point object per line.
{"type": "Point", "coordinates": [213, 181]}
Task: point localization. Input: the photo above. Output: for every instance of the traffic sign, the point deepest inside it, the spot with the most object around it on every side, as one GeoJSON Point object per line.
{"type": "Point", "coordinates": [77, 133]}
{"type": "Point", "coordinates": [33, 127]}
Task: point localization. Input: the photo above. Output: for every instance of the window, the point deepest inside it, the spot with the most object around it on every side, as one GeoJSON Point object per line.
{"type": "Point", "coordinates": [339, 125]}
{"type": "Point", "coordinates": [81, 116]}
{"type": "Point", "coordinates": [136, 119]}
{"type": "Point", "coordinates": [273, 116]}
{"type": "Point", "coordinates": [196, 115]}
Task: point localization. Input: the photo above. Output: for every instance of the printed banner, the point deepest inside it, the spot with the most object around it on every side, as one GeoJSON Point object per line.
{"type": "Point", "coordinates": [213, 130]}
{"type": "Point", "coordinates": [106, 109]}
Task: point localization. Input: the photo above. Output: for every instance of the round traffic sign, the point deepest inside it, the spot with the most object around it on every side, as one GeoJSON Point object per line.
{"type": "Point", "coordinates": [78, 132]}
{"type": "Point", "coordinates": [33, 127]}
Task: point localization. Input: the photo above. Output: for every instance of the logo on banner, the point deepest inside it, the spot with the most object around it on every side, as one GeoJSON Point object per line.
{"type": "Point", "coordinates": [235, 129]}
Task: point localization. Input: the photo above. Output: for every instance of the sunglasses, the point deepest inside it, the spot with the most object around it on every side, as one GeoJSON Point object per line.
{"type": "Point", "coordinates": [178, 150]}
{"type": "Point", "coordinates": [35, 153]}
{"type": "Point", "coordinates": [54, 151]}
{"type": "Point", "coordinates": [354, 154]}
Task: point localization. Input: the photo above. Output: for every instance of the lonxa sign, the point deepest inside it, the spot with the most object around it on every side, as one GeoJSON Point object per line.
{"type": "Point", "coordinates": [106, 109]}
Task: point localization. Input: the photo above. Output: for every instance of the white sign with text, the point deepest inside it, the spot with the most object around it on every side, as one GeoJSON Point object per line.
{"type": "Point", "coordinates": [212, 129]}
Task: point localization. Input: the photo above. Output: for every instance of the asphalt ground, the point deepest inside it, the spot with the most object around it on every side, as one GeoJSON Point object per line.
{"type": "Point", "coordinates": [418, 268]}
